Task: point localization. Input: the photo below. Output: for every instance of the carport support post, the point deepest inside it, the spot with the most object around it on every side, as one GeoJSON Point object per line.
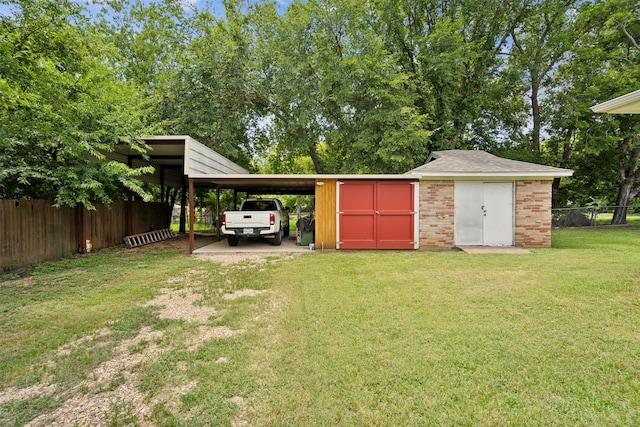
{"type": "Point", "coordinates": [218, 211]}
{"type": "Point", "coordinates": [183, 205]}
{"type": "Point", "coordinates": [192, 216]}
{"type": "Point", "coordinates": [162, 198]}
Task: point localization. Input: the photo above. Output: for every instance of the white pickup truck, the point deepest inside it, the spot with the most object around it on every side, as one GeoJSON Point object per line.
{"type": "Point", "coordinates": [256, 218]}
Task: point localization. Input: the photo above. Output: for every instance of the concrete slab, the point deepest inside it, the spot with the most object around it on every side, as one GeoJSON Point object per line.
{"type": "Point", "coordinates": [493, 250]}
{"type": "Point", "coordinates": [253, 246]}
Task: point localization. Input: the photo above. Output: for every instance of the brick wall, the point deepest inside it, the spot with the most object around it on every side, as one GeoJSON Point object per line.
{"type": "Point", "coordinates": [436, 214]}
{"type": "Point", "coordinates": [533, 214]}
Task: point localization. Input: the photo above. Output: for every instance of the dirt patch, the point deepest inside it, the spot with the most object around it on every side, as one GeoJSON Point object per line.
{"type": "Point", "coordinates": [113, 386]}
{"type": "Point", "coordinates": [182, 304]}
{"type": "Point", "coordinates": [69, 347]}
{"type": "Point", "coordinates": [12, 394]}
{"type": "Point", "coordinates": [109, 385]}
{"type": "Point", "coordinates": [243, 293]}
{"type": "Point", "coordinates": [24, 282]}
{"type": "Point", "coordinates": [234, 258]}
{"type": "Point", "coordinates": [206, 333]}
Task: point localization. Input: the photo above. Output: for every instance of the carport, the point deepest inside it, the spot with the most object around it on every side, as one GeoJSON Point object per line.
{"type": "Point", "coordinates": [174, 158]}
{"type": "Point", "coordinates": [351, 211]}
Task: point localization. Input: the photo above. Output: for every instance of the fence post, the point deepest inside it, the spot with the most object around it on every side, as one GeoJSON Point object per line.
{"type": "Point", "coordinates": [82, 228]}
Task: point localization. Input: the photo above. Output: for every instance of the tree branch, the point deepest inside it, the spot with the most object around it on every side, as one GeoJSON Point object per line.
{"type": "Point", "coordinates": [629, 36]}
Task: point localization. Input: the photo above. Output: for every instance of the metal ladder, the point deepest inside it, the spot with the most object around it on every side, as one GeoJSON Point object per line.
{"type": "Point", "coordinates": [150, 237]}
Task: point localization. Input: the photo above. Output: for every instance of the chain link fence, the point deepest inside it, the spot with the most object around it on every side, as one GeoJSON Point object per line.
{"type": "Point", "coordinates": [590, 216]}
{"type": "Point", "coordinates": [205, 221]}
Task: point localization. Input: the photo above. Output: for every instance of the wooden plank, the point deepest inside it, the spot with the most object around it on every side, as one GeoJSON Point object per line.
{"type": "Point", "coordinates": [325, 213]}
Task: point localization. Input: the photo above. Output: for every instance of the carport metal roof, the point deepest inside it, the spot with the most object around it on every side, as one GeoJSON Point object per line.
{"type": "Point", "coordinates": [278, 184]}
{"type": "Point", "coordinates": [174, 157]}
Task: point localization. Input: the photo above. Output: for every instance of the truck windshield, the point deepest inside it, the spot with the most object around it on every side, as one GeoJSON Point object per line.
{"type": "Point", "coordinates": [259, 205]}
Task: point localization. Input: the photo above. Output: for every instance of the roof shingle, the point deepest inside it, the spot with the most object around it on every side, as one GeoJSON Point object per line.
{"type": "Point", "coordinates": [481, 162]}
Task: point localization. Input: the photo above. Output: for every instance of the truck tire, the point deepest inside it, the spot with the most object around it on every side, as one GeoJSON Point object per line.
{"type": "Point", "coordinates": [277, 238]}
{"type": "Point", "coordinates": [232, 240]}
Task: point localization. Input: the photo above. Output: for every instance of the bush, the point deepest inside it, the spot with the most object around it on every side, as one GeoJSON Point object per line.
{"type": "Point", "coordinates": [570, 218]}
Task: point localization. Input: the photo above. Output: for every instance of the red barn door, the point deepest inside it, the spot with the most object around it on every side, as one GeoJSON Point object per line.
{"type": "Point", "coordinates": [357, 210]}
{"type": "Point", "coordinates": [376, 215]}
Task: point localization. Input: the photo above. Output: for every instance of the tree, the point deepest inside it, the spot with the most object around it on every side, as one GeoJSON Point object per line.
{"type": "Point", "coordinates": [604, 63]}
{"type": "Point", "coordinates": [211, 95]}
{"type": "Point", "coordinates": [539, 43]}
{"type": "Point", "coordinates": [335, 94]}
{"type": "Point", "coordinates": [450, 53]}
{"type": "Point", "coordinates": [64, 105]}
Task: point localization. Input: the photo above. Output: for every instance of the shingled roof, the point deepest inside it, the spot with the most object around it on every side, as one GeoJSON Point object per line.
{"type": "Point", "coordinates": [470, 163]}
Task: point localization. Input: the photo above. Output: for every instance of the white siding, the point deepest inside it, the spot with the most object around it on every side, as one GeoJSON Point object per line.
{"type": "Point", "coordinates": [201, 160]}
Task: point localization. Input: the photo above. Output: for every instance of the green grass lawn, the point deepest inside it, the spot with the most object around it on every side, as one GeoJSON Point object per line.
{"type": "Point", "coordinates": [198, 228]}
{"type": "Point", "coordinates": [352, 338]}
{"type": "Point", "coordinates": [604, 218]}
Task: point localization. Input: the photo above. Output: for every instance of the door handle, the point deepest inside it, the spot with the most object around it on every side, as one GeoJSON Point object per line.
{"type": "Point", "coordinates": [377, 212]}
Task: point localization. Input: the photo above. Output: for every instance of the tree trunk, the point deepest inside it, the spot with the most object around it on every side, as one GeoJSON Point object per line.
{"type": "Point", "coordinates": [566, 153]}
{"type": "Point", "coordinates": [622, 202]}
{"type": "Point", "coordinates": [535, 112]}
{"type": "Point", "coordinates": [628, 174]}
{"type": "Point", "coordinates": [316, 159]}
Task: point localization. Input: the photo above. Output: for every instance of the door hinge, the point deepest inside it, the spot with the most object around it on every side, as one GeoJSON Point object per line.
{"type": "Point", "coordinates": [414, 213]}
{"type": "Point", "coordinates": [339, 212]}
{"type": "Point", "coordinates": [341, 243]}
{"type": "Point", "coordinates": [412, 243]}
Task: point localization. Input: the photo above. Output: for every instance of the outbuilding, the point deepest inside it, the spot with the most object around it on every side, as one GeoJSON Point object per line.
{"type": "Point", "coordinates": [458, 198]}
{"type": "Point", "coordinates": [473, 198]}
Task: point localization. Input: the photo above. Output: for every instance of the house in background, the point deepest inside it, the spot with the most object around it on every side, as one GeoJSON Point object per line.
{"type": "Point", "coordinates": [625, 104]}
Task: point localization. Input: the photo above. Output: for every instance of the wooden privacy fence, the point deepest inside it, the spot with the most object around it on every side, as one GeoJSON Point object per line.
{"type": "Point", "coordinates": [33, 231]}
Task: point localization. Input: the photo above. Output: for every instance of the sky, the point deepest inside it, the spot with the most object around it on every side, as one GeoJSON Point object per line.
{"type": "Point", "coordinates": [214, 6]}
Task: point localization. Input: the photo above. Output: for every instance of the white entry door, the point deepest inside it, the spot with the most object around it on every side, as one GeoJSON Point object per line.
{"type": "Point", "coordinates": [483, 213]}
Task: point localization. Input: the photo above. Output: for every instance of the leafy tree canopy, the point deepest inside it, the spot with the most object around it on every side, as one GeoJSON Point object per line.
{"type": "Point", "coordinates": [324, 86]}
{"type": "Point", "coordinates": [63, 104]}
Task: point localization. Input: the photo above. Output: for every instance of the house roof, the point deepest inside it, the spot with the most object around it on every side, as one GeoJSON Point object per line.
{"type": "Point", "coordinates": [625, 104]}
{"type": "Point", "coordinates": [472, 164]}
